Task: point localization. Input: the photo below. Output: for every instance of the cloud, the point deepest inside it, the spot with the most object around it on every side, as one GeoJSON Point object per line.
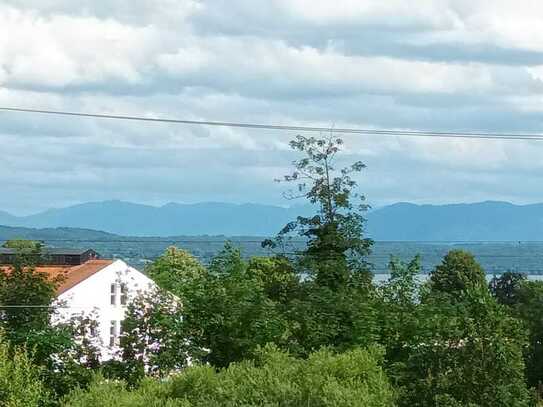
{"type": "Point", "coordinates": [439, 65]}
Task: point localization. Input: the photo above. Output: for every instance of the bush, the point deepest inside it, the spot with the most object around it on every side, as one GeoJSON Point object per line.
{"type": "Point", "coordinates": [20, 383]}
{"type": "Point", "coordinates": [354, 378]}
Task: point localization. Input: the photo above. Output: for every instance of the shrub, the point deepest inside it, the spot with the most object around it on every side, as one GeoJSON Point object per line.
{"type": "Point", "coordinates": [274, 378]}
{"type": "Point", "coordinates": [20, 383]}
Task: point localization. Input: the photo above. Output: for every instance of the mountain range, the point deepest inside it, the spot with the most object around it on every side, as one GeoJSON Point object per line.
{"type": "Point", "coordinates": [487, 221]}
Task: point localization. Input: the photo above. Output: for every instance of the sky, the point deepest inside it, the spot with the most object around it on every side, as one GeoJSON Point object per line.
{"type": "Point", "coordinates": [456, 65]}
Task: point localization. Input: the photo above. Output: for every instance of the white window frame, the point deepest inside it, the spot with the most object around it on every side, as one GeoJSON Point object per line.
{"type": "Point", "coordinates": [113, 294]}
{"type": "Point", "coordinates": [113, 333]}
{"type": "Point", "coordinates": [124, 293]}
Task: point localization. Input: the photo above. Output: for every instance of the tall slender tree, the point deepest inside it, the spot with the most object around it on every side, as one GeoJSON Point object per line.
{"type": "Point", "coordinates": [336, 247]}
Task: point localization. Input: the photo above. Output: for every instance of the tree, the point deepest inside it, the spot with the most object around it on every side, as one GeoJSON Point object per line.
{"type": "Point", "coordinates": [20, 379]}
{"type": "Point", "coordinates": [26, 297]}
{"type": "Point", "coordinates": [233, 310]}
{"type": "Point", "coordinates": [505, 288]}
{"type": "Point", "coordinates": [155, 339]}
{"type": "Point", "coordinates": [336, 247]}
{"type": "Point", "coordinates": [397, 306]}
{"type": "Point", "coordinates": [228, 310]}
{"type": "Point", "coordinates": [332, 305]}
{"type": "Point", "coordinates": [458, 272]}
{"type": "Point", "coordinates": [175, 269]}
{"type": "Point", "coordinates": [278, 276]}
{"type": "Point", "coordinates": [27, 301]}
{"type": "Point", "coordinates": [28, 252]}
{"type": "Point", "coordinates": [464, 352]}
{"type": "Point", "coordinates": [528, 307]}
{"type": "Point", "coordinates": [21, 244]}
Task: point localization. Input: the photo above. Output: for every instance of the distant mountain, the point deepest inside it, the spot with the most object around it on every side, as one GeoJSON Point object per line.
{"type": "Point", "coordinates": [489, 221]}
{"type": "Point", "coordinates": [6, 218]}
{"type": "Point", "coordinates": [55, 236]}
{"type": "Point", "coordinates": [126, 218]}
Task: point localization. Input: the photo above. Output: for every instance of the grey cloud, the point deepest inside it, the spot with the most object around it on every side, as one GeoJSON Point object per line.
{"type": "Point", "coordinates": [53, 161]}
{"type": "Point", "coordinates": [367, 38]}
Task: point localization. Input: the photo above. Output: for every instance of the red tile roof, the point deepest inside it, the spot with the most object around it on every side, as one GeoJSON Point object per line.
{"type": "Point", "coordinates": [70, 276]}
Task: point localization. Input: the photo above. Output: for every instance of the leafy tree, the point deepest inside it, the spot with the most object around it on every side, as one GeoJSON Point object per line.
{"type": "Point", "coordinates": [21, 244]}
{"type": "Point", "coordinates": [397, 305]}
{"type": "Point", "coordinates": [466, 352]}
{"type": "Point", "coordinates": [155, 339]}
{"type": "Point", "coordinates": [331, 307]}
{"type": "Point", "coordinates": [339, 319]}
{"type": "Point", "coordinates": [528, 307]}
{"type": "Point", "coordinates": [505, 288]}
{"type": "Point", "coordinates": [27, 251]}
{"type": "Point", "coordinates": [175, 269]}
{"type": "Point", "coordinates": [228, 310]}
{"type": "Point", "coordinates": [233, 310]}
{"type": "Point", "coordinates": [20, 379]}
{"type": "Point", "coordinates": [336, 247]}
{"type": "Point", "coordinates": [525, 301]}
{"type": "Point", "coordinates": [278, 276]}
{"type": "Point", "coordinates": [27, 300]}
{"type": "Point", "coordinates": [458, 272]}
{"type": "Point", "coordinates": [351, 379]}
{"type": "Point", "coordinates": [26, 297]}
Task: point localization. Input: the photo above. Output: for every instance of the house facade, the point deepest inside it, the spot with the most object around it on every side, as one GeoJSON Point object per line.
{"type": "Point", "coordinates": [100, 289]}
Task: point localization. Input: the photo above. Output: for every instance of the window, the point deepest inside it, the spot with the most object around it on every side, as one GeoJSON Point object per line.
{"type": "Point", "coordinates": [113, 334]}
{"type": "Point", "coordinates": [124, 293]}
{"type": "Point", "coordinates": [113, 294]}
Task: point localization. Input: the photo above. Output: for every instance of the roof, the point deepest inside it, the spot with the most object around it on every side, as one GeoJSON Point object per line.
{"type": "Point", "coordinates": [71, 275]}
{"type": "Point", "coordinates": [50, 251]}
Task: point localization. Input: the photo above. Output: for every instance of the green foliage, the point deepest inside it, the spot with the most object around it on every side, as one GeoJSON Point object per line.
{"type": "Point", "coordinates": [228, 311]}
{"type": "Point", "coordinates": [24, 246]}
{"type": "Point", "coordinates": [458, 272]}
{"type": "Point", "coordinates": [314, 330]}
{"type": "Point", "coordinates": [175, 269]}
{"type": "Point", "coordinates": [528, 307]}
{"type": "Point", "coordinates": [277, 275]}
{"type": "Point", "coordinates": [354, 378]}
{"type": "Point", "coordinates": [335, 244]}
{"type": "Point", "coordinates": [21, 244]}
{"type": "Point", "coordinates": [20, 379]}
{"type": "Point", "coordinates": [337, 318]}
{"type": "Point", "coordinates": [155, 339]}
{"type": "Point", "coordinates": [331, 305]}
{"type": "Point", "coordinates": [397, 304]}
{"type": "Point", "coordinates": [28, 252]}
{"type": "Point", "coordinates": [467, 351]}
{"type": "Point", "coordinates": [232, 310]}
{"type": "Point", "coordinates": [505, 287]}
{"type": "Point", "coordinates": [26, 296]}
{"type": "Point", "coordinates": [449, 343]}
{"type": "Point", "coordinates": [63, 350]}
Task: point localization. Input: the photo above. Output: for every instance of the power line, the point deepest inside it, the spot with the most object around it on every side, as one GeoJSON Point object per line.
{"type": "Point", "coordinates": [410, 133]}
{"type": "Point", "coordinates": [49, 306]}
{"type": "Point", "coordinates": [234, 239]}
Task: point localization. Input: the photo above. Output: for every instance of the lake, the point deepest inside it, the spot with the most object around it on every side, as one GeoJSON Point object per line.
{"type": "Point", "coordinates": [494, 257]}
{"type": "Point", "coordinates": [381, 278]}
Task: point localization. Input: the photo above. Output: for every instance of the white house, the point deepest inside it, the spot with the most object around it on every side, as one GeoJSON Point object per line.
{"type": "Point", "coordinates": [100, 289]}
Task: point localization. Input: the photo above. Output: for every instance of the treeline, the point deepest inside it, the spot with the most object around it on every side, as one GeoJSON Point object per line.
{"type": "Point", "coordinates": [302, 328]}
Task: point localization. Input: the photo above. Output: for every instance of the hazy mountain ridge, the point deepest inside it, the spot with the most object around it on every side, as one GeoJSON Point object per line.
{"type": "Point", "coordinates": [489, 221]}
{"type": "Point", "coordinates": [486, 221]}
{"type": "Point", "coordinates": [54, 235]}
{"type": "Point", "coordinates": [125, 218]}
